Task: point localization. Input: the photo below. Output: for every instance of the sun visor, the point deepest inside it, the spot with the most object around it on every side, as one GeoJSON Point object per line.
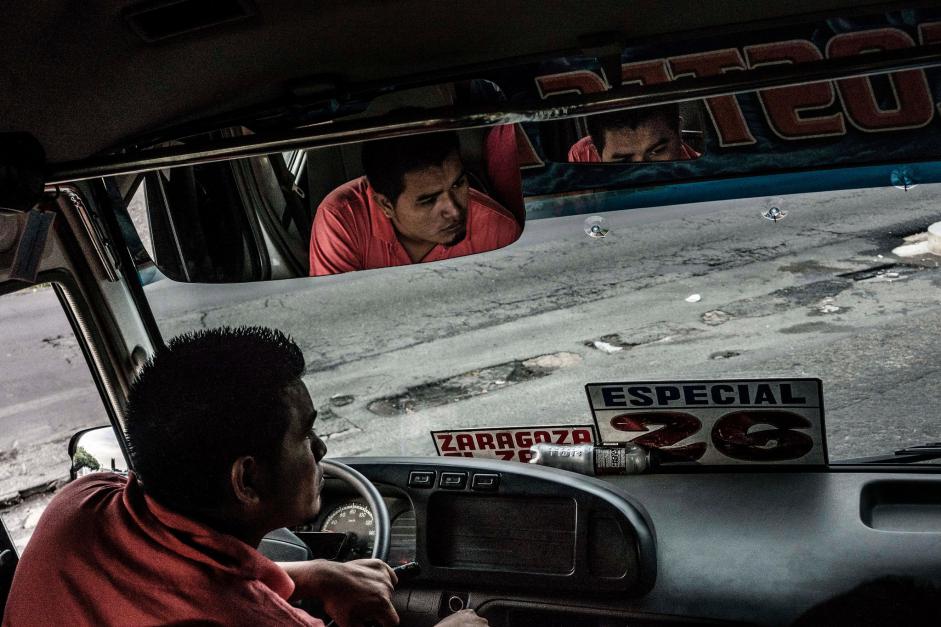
{"type": "Point", "coordinates": [22, 162]}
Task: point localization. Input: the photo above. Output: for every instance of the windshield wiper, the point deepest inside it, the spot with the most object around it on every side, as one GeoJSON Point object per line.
{"type": "Point", "coordinates": [907, 455]}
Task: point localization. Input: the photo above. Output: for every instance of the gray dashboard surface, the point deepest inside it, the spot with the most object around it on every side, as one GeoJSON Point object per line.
{"type": "Point", "coordinates": [768, 546]}
{"type": "Point", "coordinates": [758, 547]}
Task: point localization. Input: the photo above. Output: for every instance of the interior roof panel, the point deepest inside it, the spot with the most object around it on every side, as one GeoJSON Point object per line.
{"type": "Point", "coordinates": [77, 77]}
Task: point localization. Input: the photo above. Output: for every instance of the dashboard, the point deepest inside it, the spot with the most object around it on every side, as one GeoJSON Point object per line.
{"type": "Point", "coordinates": [530, 546]}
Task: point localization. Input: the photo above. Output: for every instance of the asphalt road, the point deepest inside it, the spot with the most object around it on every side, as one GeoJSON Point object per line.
{"type": "Point", "coordinates": [441, 345]}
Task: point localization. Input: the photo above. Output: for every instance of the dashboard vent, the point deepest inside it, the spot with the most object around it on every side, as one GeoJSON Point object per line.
{"type": "Point", "coordinates": [157, 21]}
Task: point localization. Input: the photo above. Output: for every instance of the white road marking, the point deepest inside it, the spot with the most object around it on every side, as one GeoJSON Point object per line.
{"type": "Point", "coordinates": [39, 403]}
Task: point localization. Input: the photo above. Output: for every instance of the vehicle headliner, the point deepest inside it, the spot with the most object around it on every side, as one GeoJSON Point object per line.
{"type": "Point", "coordinates": [82, 81]}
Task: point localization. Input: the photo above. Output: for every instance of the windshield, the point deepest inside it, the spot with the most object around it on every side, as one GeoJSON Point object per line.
{"type": "Point", "coordinates": [710, 290]}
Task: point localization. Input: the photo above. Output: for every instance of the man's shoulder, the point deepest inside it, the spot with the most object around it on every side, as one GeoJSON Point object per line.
{"type": "Point", "coordinates": [487, 208]}
{"type": "Point", "coordinates": [76, 511]}
{"type": "Point", "coordinates": [491, 225]}
{"type": "Point", "coordinates": [94, 483]}
{"type": "Point", "coordinates": [583, 151]}
{"type": "Point", "coordinates": [86, 492]}
{"type": "Point", "coordinates": [352, 196]}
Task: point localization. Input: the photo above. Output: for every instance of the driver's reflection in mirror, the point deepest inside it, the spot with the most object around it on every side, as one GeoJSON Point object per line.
{"type": "Point", "coordinates": [219, 428]}
{"type": "Point", "coordinates": [633, 136]}
{"type": "Point", "coordinates": [414, 204]}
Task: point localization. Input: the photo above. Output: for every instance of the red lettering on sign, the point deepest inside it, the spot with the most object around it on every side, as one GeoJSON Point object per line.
{"type": "Point", "coordinates": [664, 429]}
{"type": "Point", "coordinates": [561, 435]}
{"type": "Point", "coordinates": [725, 111]}
{"type": "Point", "coordinates": [523, 439]}
{"type": "Point", "coordinates": [485, 441]}
{"type": "Point", "coordinates": [581, 436]}
{"type": "Point", "coordinates": [914, 107]}
{"type": "Point", "coordinates": [506, 456]}
{"type": "Point", "coordinates": [645, 72]}
{"type": "Point", "coordinates": [542, 437]}
{"type": "Point", "coordinates": [735, 435]}
{"type": "Point", "coordinates": [577, 82]}
{"type": "Point", "coordinates": [504, 440]}
{"type": "Point", "coordinates": [783, 106]}
{"type": "Point", "coordinates": [445, 439]}
{"type": "Point", "coordinates": [465, 442]}
{"type": "Point", "coordinates": [525, 456]}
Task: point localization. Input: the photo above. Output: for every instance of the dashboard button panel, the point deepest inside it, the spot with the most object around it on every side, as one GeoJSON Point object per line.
{"type": "Point", "coordinates": [421, 479]}
{"type": "Point", "coordinates": [483, 482]}
{"type": "Point", "coordinates": [453, 480]}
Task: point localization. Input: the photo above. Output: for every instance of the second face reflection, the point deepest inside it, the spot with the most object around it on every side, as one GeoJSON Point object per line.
{"type": "Point", "coordinates": [633, 136]}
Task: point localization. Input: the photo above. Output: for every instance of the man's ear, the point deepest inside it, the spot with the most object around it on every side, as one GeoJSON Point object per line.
{"type": "Point", "coordinates": [385, 205]}
{"type": "Point", "coordinates": [245, 480]}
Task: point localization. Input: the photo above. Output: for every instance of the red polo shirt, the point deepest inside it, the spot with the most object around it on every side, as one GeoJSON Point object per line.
{"type": "Point", "coordinates": [351, 233]}
{"type": "Point", "coordinates": [103, 553]}
{"type": "Point", "coordinates": [584, 151]}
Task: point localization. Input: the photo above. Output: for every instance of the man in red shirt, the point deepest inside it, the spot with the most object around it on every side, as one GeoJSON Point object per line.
{"type": "Point", "coordinates": [220, 432]}
{"type": "Point", "coordinates": [414, 204]}
{"type": "Point", "coordinates": [633, 136]}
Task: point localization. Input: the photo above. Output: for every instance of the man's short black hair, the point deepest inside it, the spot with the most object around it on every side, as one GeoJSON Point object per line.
{"type": "Point", "coordinates": [386, 161]}
{"type": "Point", "coordinates": [599, 124]}
{"type": "Point", "coordinates": [203, 401]}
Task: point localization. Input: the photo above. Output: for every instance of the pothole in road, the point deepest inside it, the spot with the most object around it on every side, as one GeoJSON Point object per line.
{"type": "Point", "coordinates": [888, 239]}
{"type": "Point", "coordinates": [716, 317]}
{"type": "Point", "coordinates": [887, 272]}
{"type": "Point", "coordinates": [786, 298]}
{"type": "Point", "coordinates": [815, 327]}
{"type": "Point", "coordinates": [472, 383]}
{"type": "Point", "coordinates": [808, 267]}
{"type": "Point", "coordinates": [611, 343]}
{"type": "Point", "coordinates": [809, 293]}
{"type": "Point", "coordinates": [658, 333]}
{"type": "Point", "coordinates": [330, 426]}
{"type": "Point", "coordinates": [724, 355]}
{"type": "Point", "coordinates": [827, 307]}
{"type": "Point", "coordinates": [341, 400]}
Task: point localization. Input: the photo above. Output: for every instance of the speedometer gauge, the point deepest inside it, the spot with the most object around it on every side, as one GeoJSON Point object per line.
{"type": "Point", "coordinates": [357, 522]}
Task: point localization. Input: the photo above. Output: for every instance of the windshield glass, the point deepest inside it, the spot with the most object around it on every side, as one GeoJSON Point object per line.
{"type": "Point", "coordinates": [697, 291]}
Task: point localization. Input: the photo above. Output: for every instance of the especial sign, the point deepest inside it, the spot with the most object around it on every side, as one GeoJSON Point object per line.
{"type": "Point", "coordinates": [715, 422]}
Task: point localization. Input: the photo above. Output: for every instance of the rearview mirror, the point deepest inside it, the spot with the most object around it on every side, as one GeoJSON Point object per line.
{"type": "Point", "coordinates": [427, 197]}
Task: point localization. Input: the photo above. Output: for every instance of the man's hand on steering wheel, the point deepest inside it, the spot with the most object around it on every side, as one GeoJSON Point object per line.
{"type": "Point", "coordinates": [353, 593]}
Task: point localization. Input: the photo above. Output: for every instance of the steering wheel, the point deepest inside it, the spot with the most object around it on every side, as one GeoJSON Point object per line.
{"type": "Point", "coordinates": [283, 545]}
{"type": "Point", "coordinates": [369, 493]}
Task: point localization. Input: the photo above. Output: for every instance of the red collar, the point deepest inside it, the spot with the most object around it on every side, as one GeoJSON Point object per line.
{"type": "Point", "coordinates": [201, 543]}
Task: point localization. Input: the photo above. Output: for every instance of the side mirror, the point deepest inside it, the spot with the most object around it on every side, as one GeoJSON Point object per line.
{"type": "Point", "coordinates": [95, 450]}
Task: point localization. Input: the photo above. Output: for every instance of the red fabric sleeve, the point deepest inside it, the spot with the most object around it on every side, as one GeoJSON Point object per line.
{"type": "Point", "coordinates": [584, 151]}
{"type": "Point", "coordinates": [333, 245]}
{"type": "Point", "coordinates": [507, 235]}
{"type": "Point", "coordinates": [503, 169]}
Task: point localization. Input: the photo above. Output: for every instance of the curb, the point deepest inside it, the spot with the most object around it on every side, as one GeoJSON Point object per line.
{"type": "Point", "coordinates": [15, 498]}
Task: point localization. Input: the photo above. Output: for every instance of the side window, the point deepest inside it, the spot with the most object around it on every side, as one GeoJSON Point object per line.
{"type": "Point", "coordinates": [46, 395]}
{"type": "Point", "coordinates": [243, 220]}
